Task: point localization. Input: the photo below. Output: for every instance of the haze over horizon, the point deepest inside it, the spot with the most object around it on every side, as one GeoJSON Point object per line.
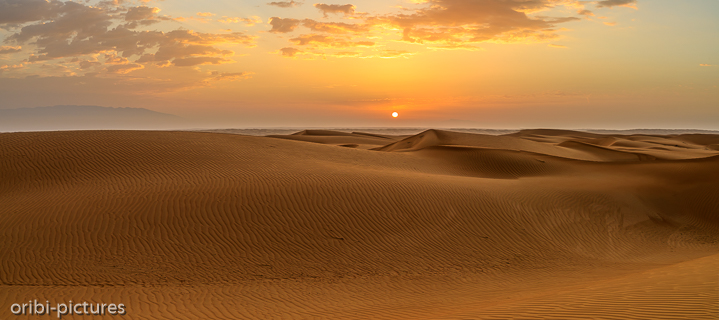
{"type": "Point", "coordinates": [613, 64]}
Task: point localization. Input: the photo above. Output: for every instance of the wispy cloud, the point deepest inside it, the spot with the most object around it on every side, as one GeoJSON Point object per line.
{"type": "Point", "coordinates": [586, 13]}
{"type": "Point", "coordinates": [10, 49]}
{"type": "Point", "coordinates": [390, 54]}
{"type": "Point", "coordinates": [251, 21]}
{"type": "Point", "coordinates": [285, 4]}
{"type": "Point", "coordinates": [326, 9]}
{"type": "Point", "coordinates": [335, 27]}
{"type": "Point", "coordinates": [229, 76]}
{"type": "Point", "coordinates": [617, 3]}
{"type": "Point", "coordinates": [328, 41]}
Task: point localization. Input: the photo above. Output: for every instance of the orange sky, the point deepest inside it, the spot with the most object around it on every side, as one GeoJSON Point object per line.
{"type": "Point", "coordinates": [466, 63]}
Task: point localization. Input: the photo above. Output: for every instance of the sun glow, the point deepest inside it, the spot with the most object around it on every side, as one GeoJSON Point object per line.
{"type": "Point", "coordinates": [395, 114]}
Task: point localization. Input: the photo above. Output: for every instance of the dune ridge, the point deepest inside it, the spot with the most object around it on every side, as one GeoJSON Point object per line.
{"type": "Point", "coordinates": [437, 225]}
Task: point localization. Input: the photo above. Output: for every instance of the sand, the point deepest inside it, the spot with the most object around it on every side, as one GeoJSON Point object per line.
{"type": "Point", "coordinates": [332, 225]}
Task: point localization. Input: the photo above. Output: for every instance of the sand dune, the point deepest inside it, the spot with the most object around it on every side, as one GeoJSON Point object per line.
{"type": "Point", "coordinates": [438, 225]}
{"type": "Point", "coordinates": [339, 138]}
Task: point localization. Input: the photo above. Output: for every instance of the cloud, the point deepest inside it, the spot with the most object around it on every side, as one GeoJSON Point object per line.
{"type": "Point", "coordinates": [106, 40]}
{"type": "Point", "coordinates": [196, 61]}
{"type": "Point", "coordinates": [74, 21]}
{"type": "Point", "coordinates": [611, 24]}
{"type": "Point", "coordinates": [9, 49]}
{"type": "Point", "coordinates": [706, 65]}
{"type": "Point", "coordinates": [346, 9]}
{"type": "Point", "coordinates": [186, 48]}
{"type": "Point", "coordinates": [285, 4]}
{"type": "Point", "coordinates": [113, 59]}
{"type": "Point", "coordinates": [58, 69]}
{"type": "Point", "coordinates": [280, 25]}
{"type": "Point", "coordinates": [8, 67]}
{"type": "Point", "coordinates": [534, 6]}
{"type": "Point", "coordinates": [205, 14]}
{"type": "Point", "coordinates": [124, 68]}
{"type": "Point", "coordinates": [83, 30]}
{"type": "Point", "coordinates": [388, 54]}
{"type": "Point", "coordinates": [437, 24]}
{"type": "Point", "coordinates": [328, 41]}
{"type": "Point", "coordinates": [467, 21]}
{"type": "Point", "coordinates": [251, 21]}
{"type": "Point", "coordinates": [342, 54]}
{"type": "Point", "coordinates": [289, 51]}
{"type": "Point", "coordinates": [467, 47]}
{"type": "Point", "coordinates": [87, 64]}
{"type": "Point", "coordinates": [617, 3]}
{"type": "Point", "coordinates": [22, 11]}
{"type": "Point", "coordinates": [170, 45]}
{"type": "Point", "coordinates": [141, 13]}
{"type": "Point", "coordinates": [229, 76]}
{"type": "Point", "coordinates": [335, 27]}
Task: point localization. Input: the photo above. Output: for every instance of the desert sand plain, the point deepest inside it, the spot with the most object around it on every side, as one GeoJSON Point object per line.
{"type": "Point", "coordinates": [536, 224]}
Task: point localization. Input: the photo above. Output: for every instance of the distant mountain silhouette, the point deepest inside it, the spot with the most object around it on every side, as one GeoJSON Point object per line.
{"type": "Point", "coordinates": [72, 117]}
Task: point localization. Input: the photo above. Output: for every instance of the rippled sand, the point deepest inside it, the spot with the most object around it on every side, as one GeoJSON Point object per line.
{"type": "Point", "coordinates": [337, 225]}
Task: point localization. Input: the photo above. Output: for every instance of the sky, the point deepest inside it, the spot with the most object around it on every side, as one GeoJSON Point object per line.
{"type": "Point", "coordinates": [614, 64]}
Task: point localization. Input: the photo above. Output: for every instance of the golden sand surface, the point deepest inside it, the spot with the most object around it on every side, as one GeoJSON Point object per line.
{"type": "Point", "coordinates": [537, 224]}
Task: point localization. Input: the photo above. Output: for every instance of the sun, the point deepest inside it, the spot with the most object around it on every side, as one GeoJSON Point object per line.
{"type": "Point", "coordinates": [395, 114]}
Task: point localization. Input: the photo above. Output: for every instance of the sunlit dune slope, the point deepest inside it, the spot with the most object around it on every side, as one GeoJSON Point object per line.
{"type": "Point", "coordinates": [562, 143]}
{"type": "Point", "coordinates": [435, 225]}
